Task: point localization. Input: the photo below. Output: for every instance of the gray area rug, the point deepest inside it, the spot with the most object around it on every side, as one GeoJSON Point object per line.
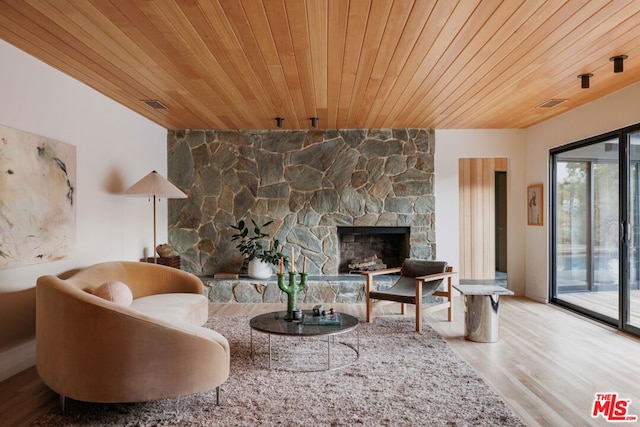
{"type": "Point", "coordinates": [401, 378]}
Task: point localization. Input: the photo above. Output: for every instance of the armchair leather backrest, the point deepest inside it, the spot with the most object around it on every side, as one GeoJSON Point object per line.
{"type": "Point", "coordinates": [422, 267]}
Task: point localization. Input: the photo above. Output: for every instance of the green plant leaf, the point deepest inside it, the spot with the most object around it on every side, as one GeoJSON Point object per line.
{"type": "Point", "coordinates": [253, 242]}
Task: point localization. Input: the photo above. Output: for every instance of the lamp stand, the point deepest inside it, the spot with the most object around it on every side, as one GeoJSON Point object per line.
{"type": "Point", "coordinates": [155, 260]}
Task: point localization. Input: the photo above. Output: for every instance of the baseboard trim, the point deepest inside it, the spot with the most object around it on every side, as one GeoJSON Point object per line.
{"type": "Point", "coordinates": [17, 359]}
{"type": "Point", "coordinates": [538, 299]}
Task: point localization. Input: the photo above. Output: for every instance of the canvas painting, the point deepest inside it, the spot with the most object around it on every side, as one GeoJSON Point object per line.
{"type": "Point", "coordinates": [37, 198]}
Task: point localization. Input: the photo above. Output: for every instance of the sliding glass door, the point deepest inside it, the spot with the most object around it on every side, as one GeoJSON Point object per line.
{"type": "Point", "coordinates": [595, 211]}
{"type": "Point", "coordinates": [631, 296]}
{"type": "Point", "coordinates": [586, 223]}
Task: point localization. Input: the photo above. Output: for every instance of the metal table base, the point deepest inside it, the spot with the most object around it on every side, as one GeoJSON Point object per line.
{"type": "Point", "coordinates": [291, 332]}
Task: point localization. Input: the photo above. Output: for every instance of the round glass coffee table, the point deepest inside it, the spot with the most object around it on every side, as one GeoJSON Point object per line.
{"type": "Point", "coordinates": [274, 324]}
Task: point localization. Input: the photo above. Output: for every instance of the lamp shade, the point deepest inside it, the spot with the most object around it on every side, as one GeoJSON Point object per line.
{"type": "Point", "coordinates": [156, 185]}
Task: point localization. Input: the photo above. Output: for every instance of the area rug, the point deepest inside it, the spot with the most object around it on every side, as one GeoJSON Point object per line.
{"type": "Point", "coordinates": [401, 378]}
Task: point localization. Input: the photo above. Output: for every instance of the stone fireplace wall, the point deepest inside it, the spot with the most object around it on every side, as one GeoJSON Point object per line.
{"type": "Point", "coordinates": [307, 182]}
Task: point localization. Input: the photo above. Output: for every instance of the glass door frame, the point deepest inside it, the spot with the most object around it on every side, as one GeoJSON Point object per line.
{"type": "Point", "coordinates": [625, 227]}
{"type": "Point", "coordinates": [629, 228]}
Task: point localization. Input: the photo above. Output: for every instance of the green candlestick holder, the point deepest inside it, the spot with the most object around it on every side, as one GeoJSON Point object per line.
{"type": "Point", "coordinates": [292, 290]}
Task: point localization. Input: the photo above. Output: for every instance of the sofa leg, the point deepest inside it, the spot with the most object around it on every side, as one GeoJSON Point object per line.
{"type": "Point", "coordinates": [62, 402]}
{"type": "Point", "coordinates": [218, 395]}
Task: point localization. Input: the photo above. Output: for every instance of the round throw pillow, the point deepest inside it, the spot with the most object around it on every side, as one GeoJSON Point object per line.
{"type": "Point", "coordinates": [116, 292]}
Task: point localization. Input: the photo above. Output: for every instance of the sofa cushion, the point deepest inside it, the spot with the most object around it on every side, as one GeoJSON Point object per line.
{"type": "Point", "coordinates": [116, 292]}
{"type": "Point", "coordinates": [192, 308]}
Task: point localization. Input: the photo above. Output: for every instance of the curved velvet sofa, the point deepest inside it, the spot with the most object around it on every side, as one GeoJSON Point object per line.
{"type": "Point", "coordinates": [91, 349]}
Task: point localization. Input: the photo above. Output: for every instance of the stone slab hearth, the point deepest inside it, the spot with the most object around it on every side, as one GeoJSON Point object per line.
{"type": "Point", "coordinates": [320, 289]}
{"type": "Point", "coordinates": [347, 288]}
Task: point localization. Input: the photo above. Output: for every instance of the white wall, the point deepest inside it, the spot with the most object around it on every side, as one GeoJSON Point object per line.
{"type": "Point", "coordinates": [608, 113]}
{"type": "Point", "coordinates": [452, 145]}
{"type": "Point", "coordinates": [115, 148]}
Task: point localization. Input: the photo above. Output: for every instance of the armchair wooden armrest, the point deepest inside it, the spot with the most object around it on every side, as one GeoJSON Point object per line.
{"type": "Point", "coordinates": [437, 276]}
{"type": "Point", "coordinates": [383, 271]}
{"type": "Point", "coordinates": [447, 293]}
{"type": "Point", "coordinates": [369, 284]}
{"type": "Point", "coordinates": [370, 274]}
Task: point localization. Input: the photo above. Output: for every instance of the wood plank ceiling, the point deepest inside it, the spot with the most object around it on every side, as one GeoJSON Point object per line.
{"type": "Point", "coordinates": [238, 64]}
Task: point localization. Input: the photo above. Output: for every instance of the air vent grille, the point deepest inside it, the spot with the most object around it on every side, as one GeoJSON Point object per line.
{"type": "Point", "coordinates": [155, 104]}
{"type": "Point", "coordinates": [551, 103]}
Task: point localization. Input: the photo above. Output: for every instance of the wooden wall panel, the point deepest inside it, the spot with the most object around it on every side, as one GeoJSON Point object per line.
{"type": "Point", "coordinates": [477, 216]}
{"type": "Point", "coordinates": [465, 216]}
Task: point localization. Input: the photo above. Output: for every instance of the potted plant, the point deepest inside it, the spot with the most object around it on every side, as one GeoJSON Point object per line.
{"type": "Point", "coordinates": [258, 250]}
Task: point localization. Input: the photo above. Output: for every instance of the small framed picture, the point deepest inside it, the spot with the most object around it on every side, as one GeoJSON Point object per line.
{"type": "Point", "coordinates": [534, 204]}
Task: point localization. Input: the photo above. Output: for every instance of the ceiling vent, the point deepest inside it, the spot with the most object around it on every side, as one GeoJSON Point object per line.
{"type": "Point", "coordinates": [155, 104]}
{"type": "Point", "coordinates": [551, 103]}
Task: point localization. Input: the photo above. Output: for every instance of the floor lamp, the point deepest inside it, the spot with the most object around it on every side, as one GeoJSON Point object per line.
{"type": "Point", "coordinates": [154, 186]}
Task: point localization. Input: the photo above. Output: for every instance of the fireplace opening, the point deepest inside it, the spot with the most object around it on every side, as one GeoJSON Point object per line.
{"type": "Point", "coordinates": [371, 248]}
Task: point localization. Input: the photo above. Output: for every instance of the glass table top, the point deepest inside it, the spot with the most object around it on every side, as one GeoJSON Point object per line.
{"type": "Point", "coordinates": [274, 323]}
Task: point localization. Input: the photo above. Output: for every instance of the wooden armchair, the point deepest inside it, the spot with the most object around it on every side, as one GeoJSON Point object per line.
{"type": "Point", "coordinates": [418, 279]}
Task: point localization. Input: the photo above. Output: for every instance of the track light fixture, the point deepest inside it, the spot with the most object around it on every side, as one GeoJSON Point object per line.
{"type": "Point", "coordinates": [618, 63]}
{"type": "Point", "coordinates": [314, 121]}
{"type": "Point", "coordinates": [279, 121]}
{"type": "Point", "coordinates": [584, 80]}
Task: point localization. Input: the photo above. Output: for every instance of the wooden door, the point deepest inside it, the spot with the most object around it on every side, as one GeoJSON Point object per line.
{"type": "Point", "coordinates": [478, 216]}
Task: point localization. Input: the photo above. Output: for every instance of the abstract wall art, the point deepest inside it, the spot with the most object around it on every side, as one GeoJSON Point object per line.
{"type": "Point", "coordinates": [534, 204]}
{"type": "Point", "coordinates": [37, 198]}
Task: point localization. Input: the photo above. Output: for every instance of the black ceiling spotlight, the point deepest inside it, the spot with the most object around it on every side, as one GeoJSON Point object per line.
{"type": "Point", "coordinates": [314, 121]}
{"type": "Point", "coordinates": [618, 63]}
{"type": "Point", "coordinates": [279, 121]}
{"type": "Point", "coordinates": [584, 80]}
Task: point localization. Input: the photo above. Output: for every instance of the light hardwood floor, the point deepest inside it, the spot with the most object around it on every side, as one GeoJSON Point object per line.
{"type": "Point", "coordinates": [547, 365]}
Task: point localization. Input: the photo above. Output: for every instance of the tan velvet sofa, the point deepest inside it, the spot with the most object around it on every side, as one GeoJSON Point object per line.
{"type": "Point", "coordinates": [91, 349]}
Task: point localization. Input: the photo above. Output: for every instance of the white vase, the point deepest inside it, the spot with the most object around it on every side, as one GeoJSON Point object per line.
{"type": "Point", "coordinates": [259, 269]}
